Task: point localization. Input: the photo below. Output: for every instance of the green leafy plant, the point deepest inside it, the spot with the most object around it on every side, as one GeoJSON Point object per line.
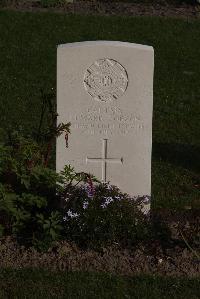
{"type": "Point", "coordinates": [51, 225]}
{"type": "Point", "coordinates": [50, 229]}
{"type": "Point", "coordinates": [28, 186]}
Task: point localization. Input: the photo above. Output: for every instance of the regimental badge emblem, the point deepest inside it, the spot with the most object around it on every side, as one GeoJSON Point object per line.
{"type": "Point", "coordinates": [106, 80]}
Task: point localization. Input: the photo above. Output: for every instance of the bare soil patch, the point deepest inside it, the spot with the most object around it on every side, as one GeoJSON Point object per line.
{"type": "Point", "coordinates": [67, 257]}
{"type": "Point", "coordinates": [165, 255]}
{"type": "Point", "coordinates": [110, 8]}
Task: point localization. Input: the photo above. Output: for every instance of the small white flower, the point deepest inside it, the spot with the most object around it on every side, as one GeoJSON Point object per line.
{"type": "Point", "coordinates": [146, 199]}
{"type": "Point", "coordinates": [103, 206]}
{"type": "Point", "coordinates": [108, 200]}
{"type": "Point", "coordinates": [71, 214]}
{"type": "Point", "coordinates": [108, 186]}
{"type": "Point", "coordinates": [75, 215]}
{"type": "Point", "coordinates": [85, 204]}
{"type": "Point", "coordinates": [65, 218]}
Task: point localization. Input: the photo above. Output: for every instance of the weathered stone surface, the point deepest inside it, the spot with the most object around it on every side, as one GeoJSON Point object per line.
{"type": "Point", "coordinates": [105, 89]}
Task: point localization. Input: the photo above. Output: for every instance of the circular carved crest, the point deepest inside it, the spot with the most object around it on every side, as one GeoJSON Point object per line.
{"type": "Point", "coordinates": [106, 80]}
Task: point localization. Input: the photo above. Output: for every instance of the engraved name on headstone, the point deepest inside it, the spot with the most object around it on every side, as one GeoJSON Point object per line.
{"type": "Point", "coordinates": [105, 89]}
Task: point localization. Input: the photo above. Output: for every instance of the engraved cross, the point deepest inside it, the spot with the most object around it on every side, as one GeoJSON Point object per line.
{"type": "Point", "coordinates": [104, 160]}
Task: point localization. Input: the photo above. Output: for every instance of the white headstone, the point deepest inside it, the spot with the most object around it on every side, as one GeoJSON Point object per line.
{"type": "Point", "coordinates": [105, 89]}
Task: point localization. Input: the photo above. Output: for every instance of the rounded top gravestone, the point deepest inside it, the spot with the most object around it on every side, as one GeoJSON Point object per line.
{"type": "Point", "coordinates": [105, 89]}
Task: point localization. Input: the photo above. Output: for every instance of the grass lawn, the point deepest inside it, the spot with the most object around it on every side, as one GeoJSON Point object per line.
{"type": "Point", "coordinates": [28, 64]}
{"type": "Point", "coordinates": [42, 284]}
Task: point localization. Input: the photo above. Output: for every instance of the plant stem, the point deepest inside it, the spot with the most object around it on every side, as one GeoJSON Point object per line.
{"type": "Point", "coordinates": [193, 251]}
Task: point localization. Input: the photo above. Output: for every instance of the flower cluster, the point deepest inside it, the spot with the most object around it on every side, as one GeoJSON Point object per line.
{"type": "Point", "coordinates": [146, 199]}
{"type": "Point", "coordinates": [70, 214]}
{"type": "Point", "coordinates": [108, 200]}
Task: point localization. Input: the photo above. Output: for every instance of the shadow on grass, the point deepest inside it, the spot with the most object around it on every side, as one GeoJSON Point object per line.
{"type": "Point", "coordinates": [184, 155]}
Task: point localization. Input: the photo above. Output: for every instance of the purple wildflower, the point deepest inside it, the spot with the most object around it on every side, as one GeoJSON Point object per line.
{"type": "Point", "coordinates": [90, 188]}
